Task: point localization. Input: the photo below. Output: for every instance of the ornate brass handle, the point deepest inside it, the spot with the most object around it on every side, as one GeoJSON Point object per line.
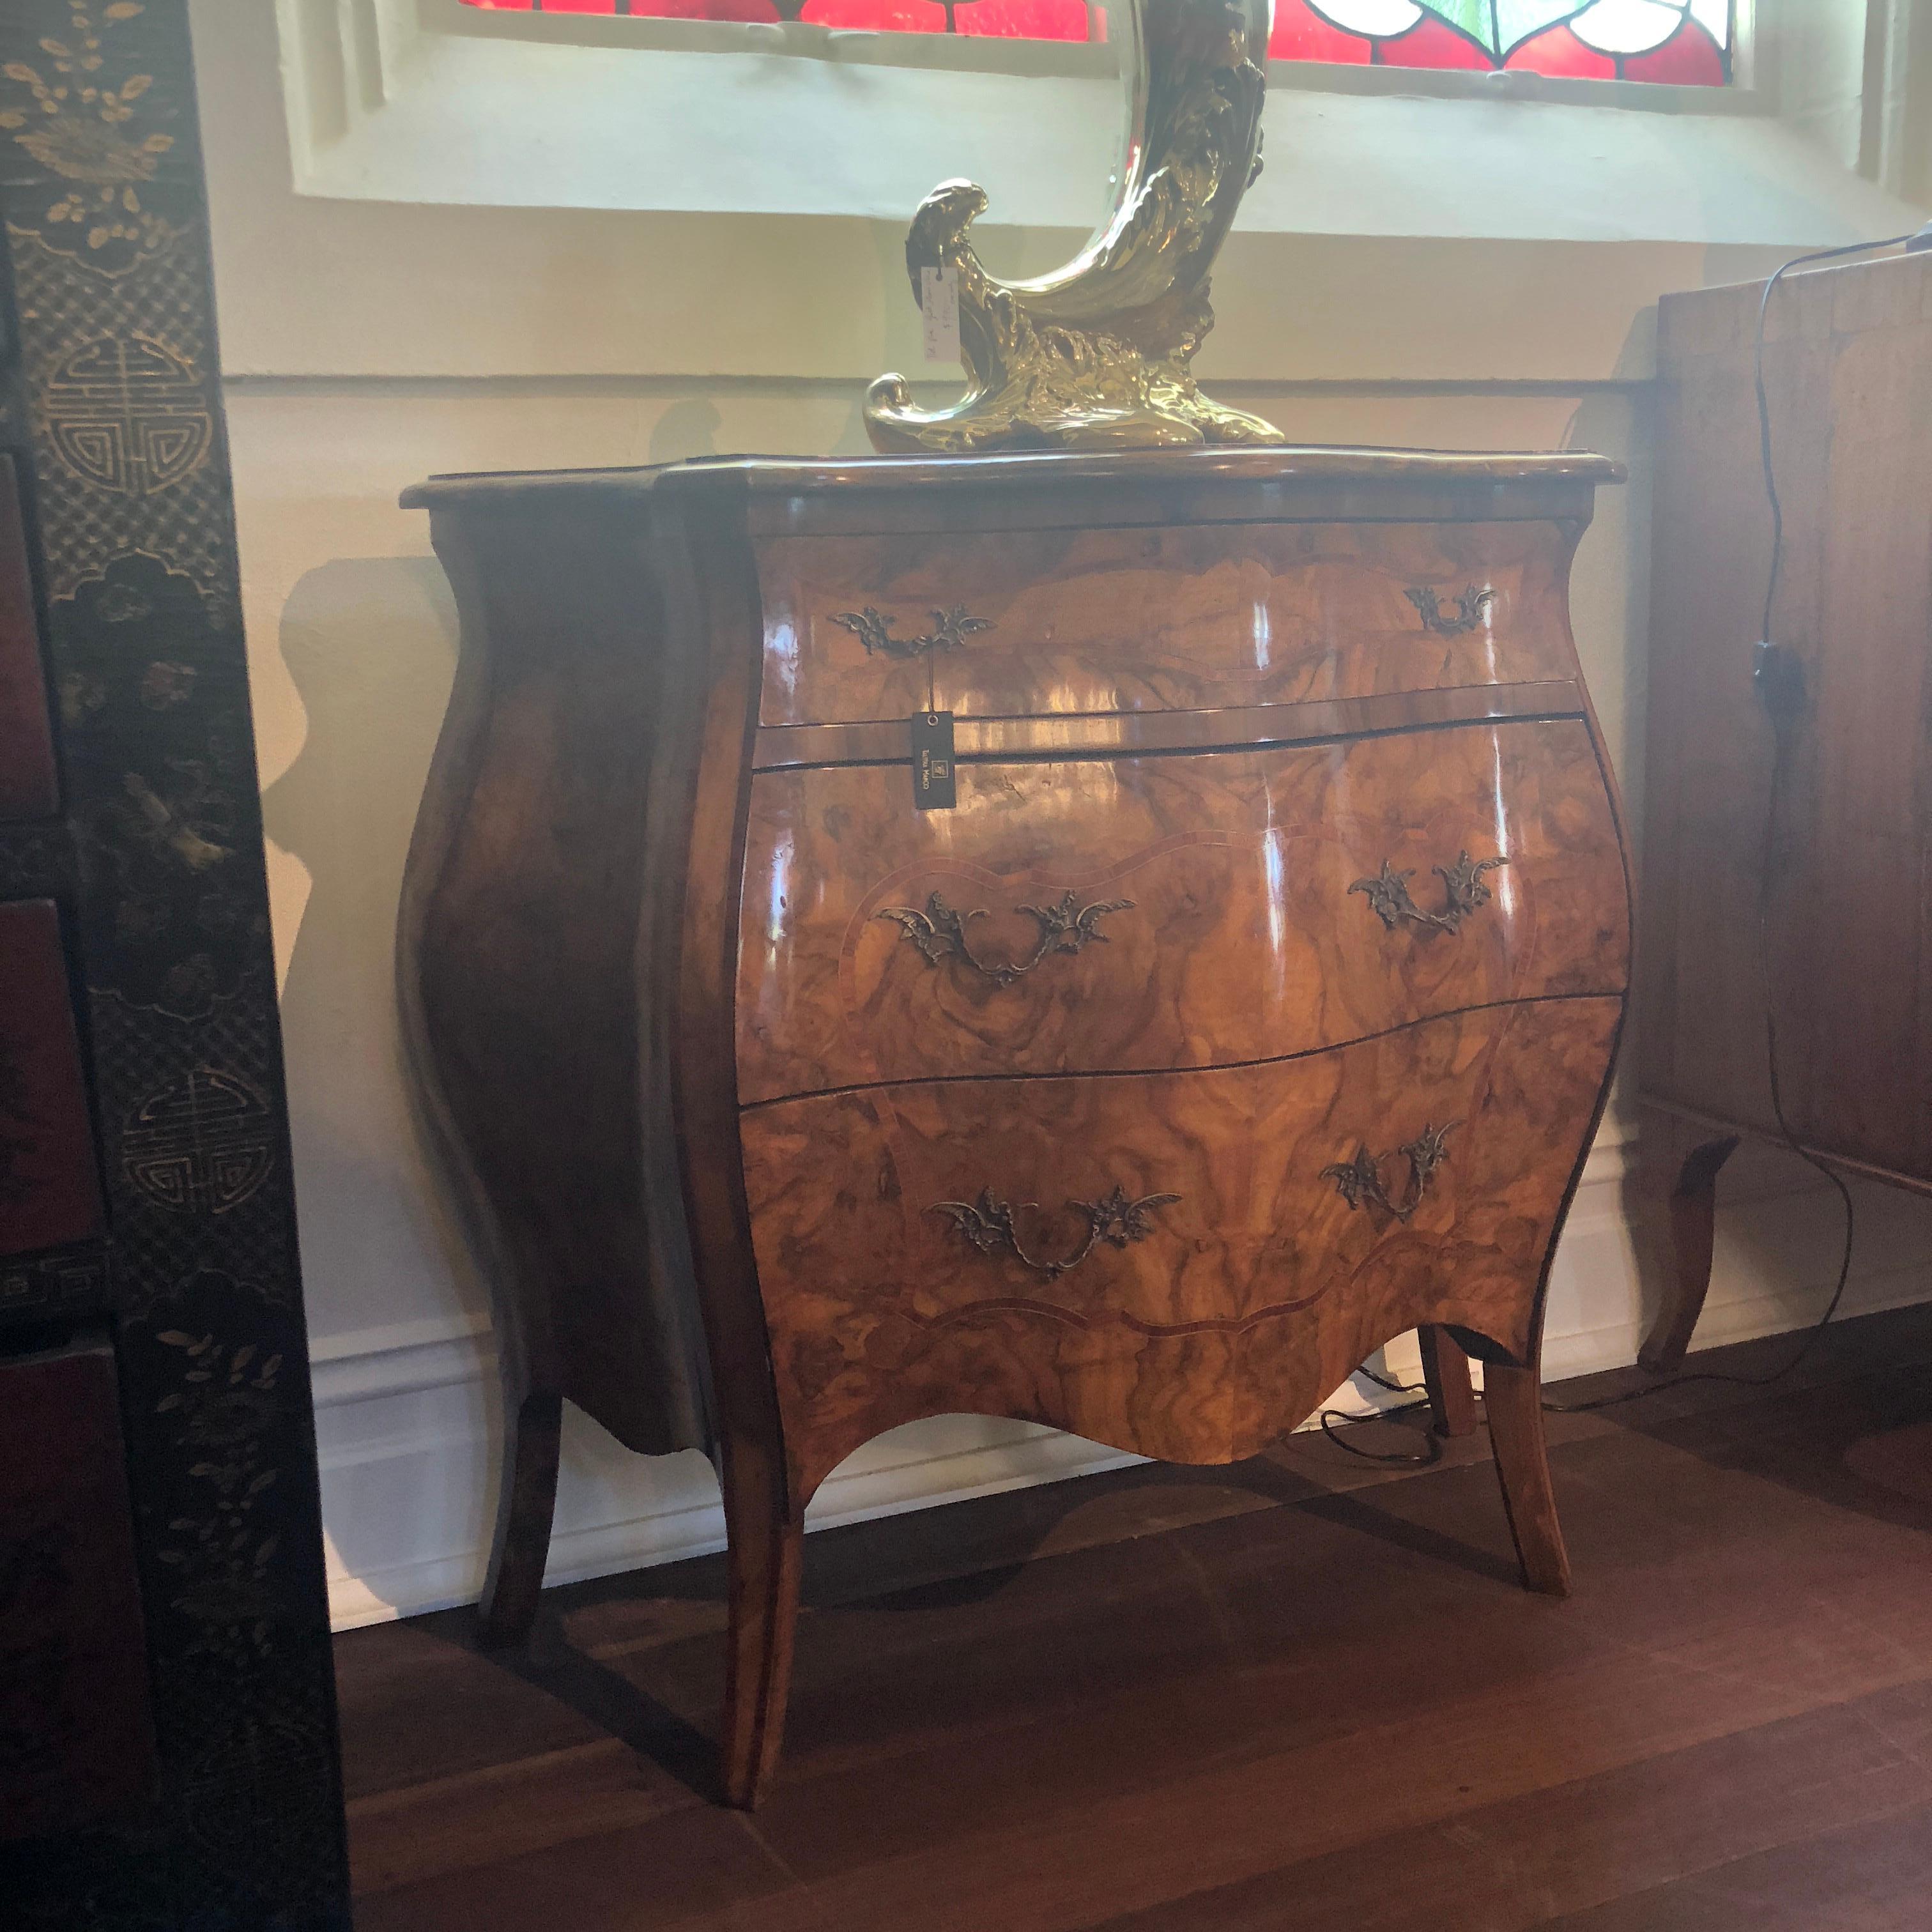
{"type": "Point", "coordinates": [1065, 926]}
{"type": "Point", "coordinates": [1462, 892]}
{"type": "Point", "coordinates": [989, 1225]}
{"type": "Point", "coordinates": [950, 629]}
{"type": "Point", "coordinates": [1469, 609]}
{"type": "Point", "coordinates": [1361, 1179]}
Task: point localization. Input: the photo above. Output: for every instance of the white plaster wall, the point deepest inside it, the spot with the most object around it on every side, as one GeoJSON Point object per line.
{"type": "Point", "coordinates": [371, 342]}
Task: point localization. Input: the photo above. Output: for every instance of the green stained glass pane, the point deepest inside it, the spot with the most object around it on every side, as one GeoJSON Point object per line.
{"type": "Point", "coordinates": [1498, 26]}
{"type": "Point", "coordinates": [1473, 16]}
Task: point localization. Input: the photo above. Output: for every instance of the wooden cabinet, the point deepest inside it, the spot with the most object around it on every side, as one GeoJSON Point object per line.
{"type": "Point", "coordinates": [1848, 377]}
{"type": "Point", "coordinates": [1253, 1003]}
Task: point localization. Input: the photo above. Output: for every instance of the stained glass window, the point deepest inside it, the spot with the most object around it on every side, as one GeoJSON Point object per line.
{"type": "Point", "coordinates": [1686, 42]}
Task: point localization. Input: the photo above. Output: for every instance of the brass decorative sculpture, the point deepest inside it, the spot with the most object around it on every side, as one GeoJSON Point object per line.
{"type": "Point", "coordinates": [1095, 355]}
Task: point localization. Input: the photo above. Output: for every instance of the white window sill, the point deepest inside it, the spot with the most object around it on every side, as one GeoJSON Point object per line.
{"type": "Point", "coordinates": [430, 102]}
{"type": "Point", "coordinates": [488, 207]}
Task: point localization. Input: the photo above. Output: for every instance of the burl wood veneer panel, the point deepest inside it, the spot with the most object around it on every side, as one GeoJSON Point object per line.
{"type": "Point", "coordinates": [27, 784]}
{"type": "Point", "coordinates": [1180, 617]}
{"type": "Point", "coordinates": [1235, 1308]}
{"type": "Point", "coordinates": [1216, 915]}
{"type": "Point", "coordinates": [49, 1187]}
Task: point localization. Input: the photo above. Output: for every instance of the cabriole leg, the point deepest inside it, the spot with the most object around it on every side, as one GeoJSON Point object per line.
{"type": "Point", "coordinates": [1693, 1210]}
{"type": "Point", "coordinates": [525, 1506]}
{"type": "Point", "coordinates": [766, 1554]}
{"type": "Point", "coordinates": [1445, 1374]}
{"type": "Point", "coordinates": [1514, 1399]}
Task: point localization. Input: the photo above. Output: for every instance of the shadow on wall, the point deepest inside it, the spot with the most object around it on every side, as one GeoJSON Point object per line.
{"type": "Point", "coordinates": [370, 643]}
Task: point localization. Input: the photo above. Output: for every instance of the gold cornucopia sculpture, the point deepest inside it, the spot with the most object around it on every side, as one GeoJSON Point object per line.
{"type": "Point", "coordinates": [1095, 355]}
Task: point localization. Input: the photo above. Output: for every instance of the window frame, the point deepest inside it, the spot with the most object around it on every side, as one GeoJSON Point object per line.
{"type": "Point", "coordinates": [991, 54]}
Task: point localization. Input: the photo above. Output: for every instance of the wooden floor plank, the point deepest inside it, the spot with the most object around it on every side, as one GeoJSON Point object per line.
{"type": "Point", "coordinates": [1164, 1699]}
{"type": "Point", "coordinates": [1875, 1876]}
{"type": "Point", "coordinates": [1510, 1868]}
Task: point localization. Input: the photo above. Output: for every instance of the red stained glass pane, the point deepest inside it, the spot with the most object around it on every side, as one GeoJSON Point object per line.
{"type": "Point", "coordinates": [1559, 52]}
{"type": "Point", "coordinates": [1432, 43]}
{"type": "Point", "coordinates": [1022, 19]}
{"type": "Point", "coordinates": [1301, 34]}
{"type": "Point", "coordinates": [699, 10]}
{"type": "Point", "coordinates": [1689, 58]}
{"type": "Point", "coordinates": [896, 16]}
{"type": "Point", "coordinates": [1448, 35]}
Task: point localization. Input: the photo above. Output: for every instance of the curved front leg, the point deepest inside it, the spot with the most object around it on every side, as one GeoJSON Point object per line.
{"type": "Point", "coordinates": [765, 1563]}
{"type": "Point", "coordinates": [1513, 1398]}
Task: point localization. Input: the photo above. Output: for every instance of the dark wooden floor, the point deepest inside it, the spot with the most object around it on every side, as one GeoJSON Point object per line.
{"type": "Point", "coordinates": [1301, 1693]}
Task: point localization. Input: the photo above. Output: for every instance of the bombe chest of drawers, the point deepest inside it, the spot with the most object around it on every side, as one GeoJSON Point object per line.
{"type": "Point", "coordinates": [1234, 986]}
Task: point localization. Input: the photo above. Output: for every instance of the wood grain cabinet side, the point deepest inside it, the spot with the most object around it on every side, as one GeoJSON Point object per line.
{"type": "Point", "coordinates": [1285, 1027]}
{"type": "Point", "coordinates": [1846, 953]}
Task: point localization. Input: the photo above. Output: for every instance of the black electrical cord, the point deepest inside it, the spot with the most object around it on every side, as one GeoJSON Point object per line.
{"type": "Point", "coordinates": [1419, 1459]}
{"type": "Point", "coordinates": [1422, 1458]}
{"type": "Point", "coordinates": [1383, 1382]}
{"type": "Point", "coordinates": [1781, 682]}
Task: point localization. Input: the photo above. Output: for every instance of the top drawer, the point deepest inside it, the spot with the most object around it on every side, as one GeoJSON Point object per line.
{"type": "Point", "coordinates": [1042, 622]}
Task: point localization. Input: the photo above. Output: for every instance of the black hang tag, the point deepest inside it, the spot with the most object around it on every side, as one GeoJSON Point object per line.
{"type": "Point", "coordinates": [933, 786]}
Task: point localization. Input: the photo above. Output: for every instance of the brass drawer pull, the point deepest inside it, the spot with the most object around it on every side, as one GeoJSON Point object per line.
{"type": "Point", "coordinates": [1360, 1181]}
{"type": "Point", "coordinates": [1462, 892]}
{"type": "Point", "coordinates": [950, 629]}
{"type": "Point", "coordinates": [989, 1225]}
{"type": "Point", "coordinates": [1469, 609]}
{"type": "Point", "coordinates": [1065, 926]}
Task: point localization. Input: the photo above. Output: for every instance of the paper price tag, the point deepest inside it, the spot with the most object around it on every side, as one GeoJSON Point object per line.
{"type": "Point", "coordinates": [939, 309]}
{"type": "Point", "coordinates": [935, 788]}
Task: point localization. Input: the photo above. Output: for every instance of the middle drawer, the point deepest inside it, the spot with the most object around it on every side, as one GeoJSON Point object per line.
{"type": "Point", "coordinates": [1177, 911]}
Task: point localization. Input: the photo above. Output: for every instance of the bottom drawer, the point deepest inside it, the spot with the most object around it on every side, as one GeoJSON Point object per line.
{"type": "Point", "coordinates": [1181, 1264]}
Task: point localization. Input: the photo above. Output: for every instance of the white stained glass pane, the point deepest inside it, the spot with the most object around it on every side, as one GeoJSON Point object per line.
{"type": "Point", "coordinates": [1715, 15]}
{"type": "Point", "coordinates": [1517, 21]}
{"type": "Point", "coordinates": [1627, 26]}
{"type": "Point", "coordinates": [1371, 16]}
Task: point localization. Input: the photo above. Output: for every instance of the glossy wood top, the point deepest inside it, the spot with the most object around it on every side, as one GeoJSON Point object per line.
{"type": "Point", "coordinates": [1185, 910]}
{"type": "Point", "coordinates": [793, 475]}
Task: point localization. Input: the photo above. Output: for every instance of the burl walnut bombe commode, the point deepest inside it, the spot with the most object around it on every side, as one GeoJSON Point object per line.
{"type": "Point", "coordinates": [1254, 1002]}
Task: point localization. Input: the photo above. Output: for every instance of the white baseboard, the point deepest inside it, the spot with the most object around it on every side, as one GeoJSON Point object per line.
{"type": "Point", "coordinates": [407, 1415]}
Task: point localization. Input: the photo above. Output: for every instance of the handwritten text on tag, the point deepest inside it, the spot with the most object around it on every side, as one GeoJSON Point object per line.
{"type": "Point", "coordinates": [939, 309]}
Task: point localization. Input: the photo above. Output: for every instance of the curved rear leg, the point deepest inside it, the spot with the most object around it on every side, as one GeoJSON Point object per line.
{"type": "Point", "coordinates": [1445, 1374]}
{"type": "Point", "coordinates": [1694, 1209]}
{"type": "Point", "coordinates": [526, 1507]}
{"type": "Point", "coordinates": [1514, 1399]}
